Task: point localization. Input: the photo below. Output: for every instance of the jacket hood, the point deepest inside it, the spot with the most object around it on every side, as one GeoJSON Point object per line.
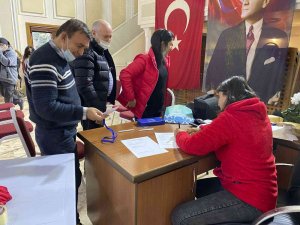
{"type": "Point", "coordinates": [250, 105]}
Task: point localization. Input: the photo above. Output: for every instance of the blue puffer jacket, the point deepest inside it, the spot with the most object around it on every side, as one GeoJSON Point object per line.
{"type": "Point", "coordinates": [8, 66]}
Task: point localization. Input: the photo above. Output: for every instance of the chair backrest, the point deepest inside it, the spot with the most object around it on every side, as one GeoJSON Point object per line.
{"type": "Point", "coordinates": [289, 213]}
{"type": "Point", "coordinates": [170, 98]}
{"type": "Point", "coordinates": [23, 133]}
{"type": "Point", "coordinates": [282, 216]}
{"type": "Point", "coordinates": [6, 106]}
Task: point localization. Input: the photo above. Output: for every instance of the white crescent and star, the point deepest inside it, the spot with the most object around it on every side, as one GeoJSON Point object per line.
{"type": "Point", "coordinates": [178, 4]}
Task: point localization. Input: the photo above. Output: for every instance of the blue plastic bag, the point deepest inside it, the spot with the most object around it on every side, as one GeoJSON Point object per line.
{"type": "Point", "coordinates": [178, 114]}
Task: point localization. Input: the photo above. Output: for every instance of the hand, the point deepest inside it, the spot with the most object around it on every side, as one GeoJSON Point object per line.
{"type": "Point", "coordinates": [177, 131]}
{"type": "Point", "coordinates": [94, 114]}
{"type": "Point", "coordinates": [3, 48]}
{"type": "Point", "coordinates": [192, 130]}
{"type": "Point", "coordinates": [131, 104]}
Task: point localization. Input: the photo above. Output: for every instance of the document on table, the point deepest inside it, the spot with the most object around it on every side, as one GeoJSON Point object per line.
{"type": "Point", "coordinates": [143, 146]}
{"type": "Point", "coordinates": [166, 140]}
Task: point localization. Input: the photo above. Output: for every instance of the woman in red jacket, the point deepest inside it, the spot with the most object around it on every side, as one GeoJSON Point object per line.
{"type": "Point", "coordinates": [241, 138]}
{"type": "Point", "coordinates": [144, 81]}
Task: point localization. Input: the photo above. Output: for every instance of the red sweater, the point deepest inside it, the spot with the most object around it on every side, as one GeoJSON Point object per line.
{"type": "Point", "coordinates": [241, 138]}
{"type": "Point", "coordinates": [138, 81]}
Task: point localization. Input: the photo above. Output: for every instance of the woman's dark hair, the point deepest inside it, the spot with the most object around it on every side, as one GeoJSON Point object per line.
{"type": "Point", "coordinates": [72, 26]}
{"type": "Point", "coordinates": [236, 89]}
{"type": "Point", "coordinates": [159, 36]}
{"type": "Point", "coordinates": [27, 52]}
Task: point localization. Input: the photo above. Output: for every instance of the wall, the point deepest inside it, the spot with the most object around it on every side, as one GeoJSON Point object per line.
{"type": "Point", "coordinates": [20, 12]}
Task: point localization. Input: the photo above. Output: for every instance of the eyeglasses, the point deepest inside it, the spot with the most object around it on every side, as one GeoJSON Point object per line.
{"type": "Point", "coordinates": [107, 139]}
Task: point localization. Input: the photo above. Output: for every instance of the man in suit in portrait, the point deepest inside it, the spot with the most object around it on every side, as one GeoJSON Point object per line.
{"type": "Point", "coordinates": [251, 49]}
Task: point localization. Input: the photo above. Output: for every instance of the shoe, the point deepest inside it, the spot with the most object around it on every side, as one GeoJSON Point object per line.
{"type": "Point", "coordinates": [21, 104]}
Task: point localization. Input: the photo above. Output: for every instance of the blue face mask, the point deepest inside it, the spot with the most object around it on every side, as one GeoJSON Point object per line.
{"type": "Point", "coordinates": [69, 57]}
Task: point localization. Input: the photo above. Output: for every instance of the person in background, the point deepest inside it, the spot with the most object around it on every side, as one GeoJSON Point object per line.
{"type": "Point", "coordinates": [95, 72]}
{"type": "Point", "coordinates": [241, 138]}
{"type": "Point", "coordinates": [144, 81]}
{"type": "Point", "coordinates": [8, 70]}
{"type": "Point", "coordinates": [54, 103]}
{"type": "Point", "coordinates": [25, 61]}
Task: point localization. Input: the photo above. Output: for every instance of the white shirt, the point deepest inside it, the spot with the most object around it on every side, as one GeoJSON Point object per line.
{"type": "Point", "coordinates": [257, 27]}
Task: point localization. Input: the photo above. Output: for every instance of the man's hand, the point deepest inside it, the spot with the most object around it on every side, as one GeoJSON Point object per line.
{"type": "Point", "coordinates": [94, 114]}
{"type": "Point", "coordinates": [131, 104]}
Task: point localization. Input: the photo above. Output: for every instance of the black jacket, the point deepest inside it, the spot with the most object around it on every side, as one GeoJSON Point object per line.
{"type": "Point", "coordinates": [91, 71]}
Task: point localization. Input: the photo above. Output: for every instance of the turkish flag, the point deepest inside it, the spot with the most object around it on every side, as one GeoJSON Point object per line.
{"type": "Point", "coordinates": [185, 19]}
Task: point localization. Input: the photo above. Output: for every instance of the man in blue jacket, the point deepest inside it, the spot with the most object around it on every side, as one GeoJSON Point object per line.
{"type": "Point", "coordinates": [8, 70]}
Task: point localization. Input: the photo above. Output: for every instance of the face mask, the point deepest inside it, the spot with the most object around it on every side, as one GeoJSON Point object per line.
{"type": "Point", "coordinates": [105, 45]}
{"type": "Point", "coordinates": [69, 57]}
{"type": "Point", "coordinates": [3, 48]}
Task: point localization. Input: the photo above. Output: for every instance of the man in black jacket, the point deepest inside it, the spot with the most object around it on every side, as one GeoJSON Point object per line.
{"type": "Point", "coordinates": [95, 72]}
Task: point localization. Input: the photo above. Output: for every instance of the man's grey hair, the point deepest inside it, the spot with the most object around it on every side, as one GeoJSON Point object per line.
{"type": "Point", "coordinates": [98, 23]}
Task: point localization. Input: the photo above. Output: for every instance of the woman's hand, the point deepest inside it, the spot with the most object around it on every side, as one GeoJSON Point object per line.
{"type": "Point", "coordinates": [192, 130]}
{"type": "Point", "coordinates": [131, 104]}
{"type": "Point", "coordinates": [177, 131]}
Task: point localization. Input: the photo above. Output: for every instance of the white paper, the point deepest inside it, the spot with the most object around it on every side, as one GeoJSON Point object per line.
{"type": "Point", "coordinates": [275, 127]}
{"type": "Point", "coordinates": [143, 146]}
{"type": "Point", "coordinates": [166, 140]}
{"type": "Point", "coordinates": [42, 189]}
{"type": "Point", "coordinates": [110, 110]}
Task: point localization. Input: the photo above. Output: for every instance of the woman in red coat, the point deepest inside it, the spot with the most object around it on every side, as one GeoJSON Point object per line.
{"type": "Point", "coordinates": [241, 139]}
{"type": "Point", "coordinates": [144, 81]}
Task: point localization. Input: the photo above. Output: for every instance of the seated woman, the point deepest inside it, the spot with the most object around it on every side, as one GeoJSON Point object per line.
{"type": "Point", "coordinates": [144, 81]}
{"type": "Point", "coordinates": [241, 138]}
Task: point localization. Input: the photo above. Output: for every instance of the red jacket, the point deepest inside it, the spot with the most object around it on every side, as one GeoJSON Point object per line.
{"type": "Point", "coordinates": [138, 81]}
{"type": "Point", "coordinates": [241, 138]}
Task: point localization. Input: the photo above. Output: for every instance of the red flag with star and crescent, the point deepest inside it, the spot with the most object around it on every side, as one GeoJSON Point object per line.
{"type": "Point", "coordinates": [185, 19]}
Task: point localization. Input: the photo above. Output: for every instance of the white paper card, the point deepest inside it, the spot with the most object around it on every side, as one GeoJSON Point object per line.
{"type": "Point", "coordinates": [166, 140]}
{"type": "Point", "coordinates": [143, 147]}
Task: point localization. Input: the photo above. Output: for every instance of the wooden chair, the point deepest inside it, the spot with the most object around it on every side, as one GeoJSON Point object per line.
{"type": "Point", "coordinates": [6, 106]}
{"type": "Point", "coordinates": [23, 129]}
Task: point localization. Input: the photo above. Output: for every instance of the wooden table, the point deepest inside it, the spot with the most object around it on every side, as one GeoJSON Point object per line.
{"type": "Point", "coordinates": [125, 190]}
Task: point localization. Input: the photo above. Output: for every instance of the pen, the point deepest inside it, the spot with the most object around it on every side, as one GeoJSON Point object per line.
{"type": "Point", "coordinates": [120, 131]}
{"type": "Point", "coordinates": [145, 129]}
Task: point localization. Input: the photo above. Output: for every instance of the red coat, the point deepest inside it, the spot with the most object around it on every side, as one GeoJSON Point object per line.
{"type": "Point", "coordinates": [241, 138]}
{"type": "Point", "coordinates": [138, 81]}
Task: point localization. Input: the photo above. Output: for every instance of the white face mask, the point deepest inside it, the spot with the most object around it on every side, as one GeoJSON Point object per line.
{"type": "Point", "coordinates": [68, 55]}
{"type": "Point", "coordinates": [105, 45]}
{"type": "Point", "coordinates": [3, 48]}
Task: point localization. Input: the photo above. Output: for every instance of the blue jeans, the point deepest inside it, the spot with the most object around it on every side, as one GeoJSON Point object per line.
{"type": "Point", "coordinates": [220, 207]}
{"type": "Point", "coordinates": [59, 141]}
